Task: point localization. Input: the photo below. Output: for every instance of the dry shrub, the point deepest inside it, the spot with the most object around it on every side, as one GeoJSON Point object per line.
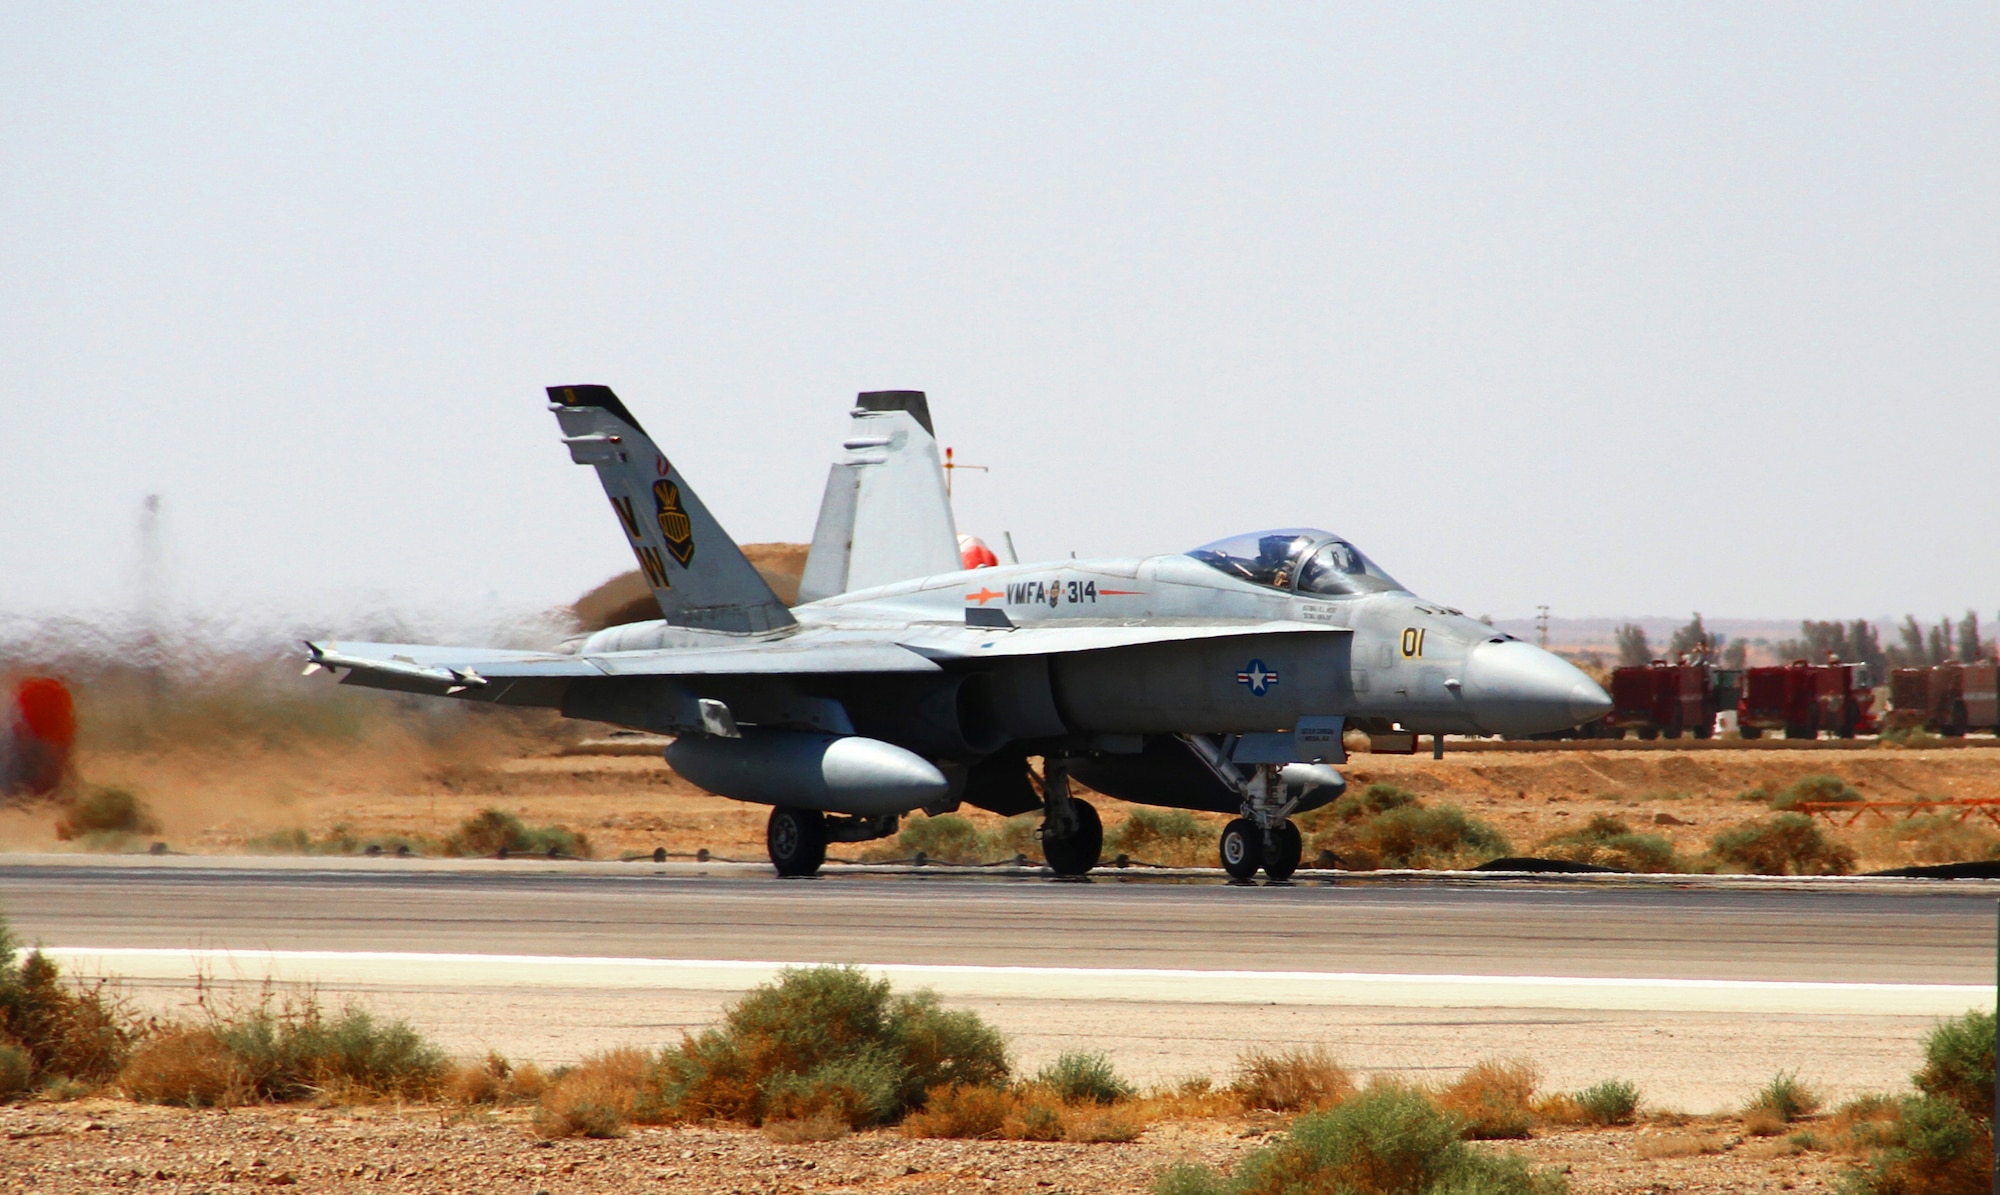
{"type": "Point", "coordinates": [1300, 1079]}
{"type": "Point", "coordinates": [1678, 1145]}
{"type": "Point", "coordinates": [1761, 1121]}
{"type": "Point", "coordinates": [976, 1113]}
{"type": "Point", "coordinates": [1941, 838]}
{"type": "Point", "coordinates": [597, 1098]}
{"type": "Point", "coordinates": [812, 1128]}
{"type": "Point", "coordinates": [491, 831]}
{"type": "Point", "coordinates": [1038, 1114]}
{"type": "Point", "coordinates": [187, 1066]}
{"type": "Point", "coordinates": [105, 814]}
{"type": "Point", "coordinates": [1494, 1099]}
{"type": "Point", "coordinates": [1607, 841]}
{"type": "Point", "coordinates": [295, 1051]}
{"type": "Point", "coordinates": [1787, 844]}
{"type": "Point", "coordinates": [1095, 1125]}
{"type": "Point", "coordinates": [488, 1081]}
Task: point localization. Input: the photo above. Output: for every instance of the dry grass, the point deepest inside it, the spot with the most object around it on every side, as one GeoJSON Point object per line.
{"type": "Point", "coordinates": [493, 1080]}
{"type": "Point", "coordinates": [1678, 1145]}
{"type": "Point", "coordinates": [1495, 1099]}
{"type": "Point", "coordinates": [1300, 1079]}
{"type": "Point", "coordinates": [812, 1128]}
{"type": "Point", "coordinates": [597, 1098]}
{"type": "Point", "coordinates": [969, 1113]}
{"type": "Point", "coordinates": [188, 1066]}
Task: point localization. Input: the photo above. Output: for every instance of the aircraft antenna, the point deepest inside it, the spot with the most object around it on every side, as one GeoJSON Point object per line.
{"type": "Point", "coordinates": [951, 465]}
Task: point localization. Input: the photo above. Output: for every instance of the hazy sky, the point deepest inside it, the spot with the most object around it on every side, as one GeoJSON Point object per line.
{"type": "Point", "coordinates": [1621, 308]}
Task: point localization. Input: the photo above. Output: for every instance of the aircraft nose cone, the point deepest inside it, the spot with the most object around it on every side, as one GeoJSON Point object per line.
{"type": "Point", "coordinates": [1516, 688]}
{"type": "Point", "coordinates": [1588, 702]}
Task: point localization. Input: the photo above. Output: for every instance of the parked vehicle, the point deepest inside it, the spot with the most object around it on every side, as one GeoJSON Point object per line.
{"type": "Point", "coordinates": [1663, 698]}
{"type": "Point", "coordinates": [1802, 699]}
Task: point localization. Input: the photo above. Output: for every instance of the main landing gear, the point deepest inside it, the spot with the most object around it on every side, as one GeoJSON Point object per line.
{"type": "Point", "coordinates": [1264, 838]}
{"type": "Point", "coordinates": [1072, 835]}
{"type": "Point", "coordinates": [797, 838]}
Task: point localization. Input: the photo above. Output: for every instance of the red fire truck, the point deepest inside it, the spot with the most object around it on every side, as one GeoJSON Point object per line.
{"type": "Point", "coordinates": [1802, 699]}
{"type": "Point", "coordinates": [1663, 698]}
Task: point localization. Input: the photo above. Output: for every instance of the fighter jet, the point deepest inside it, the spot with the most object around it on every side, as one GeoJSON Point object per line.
{"type": "Point", "coordinates": [1219, 679]}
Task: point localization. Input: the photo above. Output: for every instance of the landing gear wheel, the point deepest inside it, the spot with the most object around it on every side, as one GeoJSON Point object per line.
{"type": "Point", "coordinates": [1282, 848]}
{"type": "Point", "coordinates": [796, 839]}
{"type": "Point", "coordinates": [1243, 849]}
{"type": "Point", "coordinates": [1075, 853]}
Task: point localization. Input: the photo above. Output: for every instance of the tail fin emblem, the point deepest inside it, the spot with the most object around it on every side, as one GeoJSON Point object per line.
{"type": "Point", "coordinates": [675, 527]}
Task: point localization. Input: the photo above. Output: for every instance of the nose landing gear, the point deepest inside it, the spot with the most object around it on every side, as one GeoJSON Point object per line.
{"type": "Point", "coordinates": [1246, 847]}
{"type": "Point", "coordinates": [1264, 838]}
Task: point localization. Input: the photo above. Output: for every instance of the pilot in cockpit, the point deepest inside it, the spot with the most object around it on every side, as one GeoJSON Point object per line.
{"type": "Point", "coordinates": [1299, 559]}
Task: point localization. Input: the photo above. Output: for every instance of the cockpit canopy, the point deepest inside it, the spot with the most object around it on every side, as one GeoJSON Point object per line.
{"type": "Point", "coordinates": [1303, 559]}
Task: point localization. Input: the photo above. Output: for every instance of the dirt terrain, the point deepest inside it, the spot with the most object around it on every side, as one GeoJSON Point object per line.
{"type": "Point", "coordinates": [98, 1145]}
{"type": "Point", "coordinates": [232, 800]}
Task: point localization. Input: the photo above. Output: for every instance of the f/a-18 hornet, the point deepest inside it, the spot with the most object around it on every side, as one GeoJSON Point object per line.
{"type": "Point", "coordinates": [1220, 679]}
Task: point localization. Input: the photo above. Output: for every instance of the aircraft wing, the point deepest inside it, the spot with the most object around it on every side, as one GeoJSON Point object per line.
{"type": "Point", "coordinates": [944, 642]}
{"type": "Point", "coordinates": [428, 668]}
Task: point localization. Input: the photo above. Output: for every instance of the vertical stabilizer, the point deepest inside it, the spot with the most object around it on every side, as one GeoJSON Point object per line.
{"type": "Point", "coordinates": [886, 516]}
{"type": "Point", "coordinates": [697, 573]}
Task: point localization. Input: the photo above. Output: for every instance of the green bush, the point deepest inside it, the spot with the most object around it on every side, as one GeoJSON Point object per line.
{"type": "Point", "coordinates": [1376, 799]}
{"type": "Point", "coordinates": [1786, 1098]}
{"type": "Point", "coordinates": [104, 815]}
{"type": "Point", "coordinates": [1958, 1063]}
{"type": "Point", "coordinates": [15, 1070]}
{"type": "Point", "coordinates": [1607, 841]}
{"type": "Point", "coordinates": [339, 841]}
{"type": "Point", "coordinates": [1614, 1101]}
{"type": "Point", "coordinates": [1813, 788]}
{"type": "Point", "coordinates": [68, 1033]}
{"type": "Point", "coordinates": [1787, 844]}
{"type": "Point", "coordinates": [1079, 1078]}
{"type": "Point", "coordinates": [1932, 1147]}
{"type": "Point", "coordinates": [298, 1052]}
{"type": "Point", "coordinates": [1388, 1141]}
{"type": "Point", "coordinates": [824, 1040]}
{"type": "Point", "coordinates": [491, 831]}
{"type": "Point", "coordinates": [1171, 836]}
{"type": "Point", "coordinates": [947, 838]}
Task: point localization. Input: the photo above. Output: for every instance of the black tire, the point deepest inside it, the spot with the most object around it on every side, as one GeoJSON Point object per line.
{"type": "Point", "coordinates": [1705, 732]}
{"type": "Point", "coordinates": [1612, 732]}
{"type": "Point", "coordinates": [1282, 851]}
{"type": "Point", "coordinates": [1794, 730]}
{"type": "Point", "coordinates": [1242, 848]}
{"type": "Point", "coordinates": [1671, 732]}
{"type": "Point", "coordinates": [1075, 853]}
{"type": "Point", "coordinates": [796, 839]}
{"type": "Point", "coordinates": [1649, 733]}
{"type": "Point", "coordinates": [1750, 732]}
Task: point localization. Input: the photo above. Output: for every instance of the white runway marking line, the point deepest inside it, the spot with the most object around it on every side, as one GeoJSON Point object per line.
{"type": "Point", "coordinates": [1150, 984]}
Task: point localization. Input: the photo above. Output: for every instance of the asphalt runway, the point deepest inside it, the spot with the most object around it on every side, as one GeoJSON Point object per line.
{"type": "Point", "coordinates": [1700, 992]}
